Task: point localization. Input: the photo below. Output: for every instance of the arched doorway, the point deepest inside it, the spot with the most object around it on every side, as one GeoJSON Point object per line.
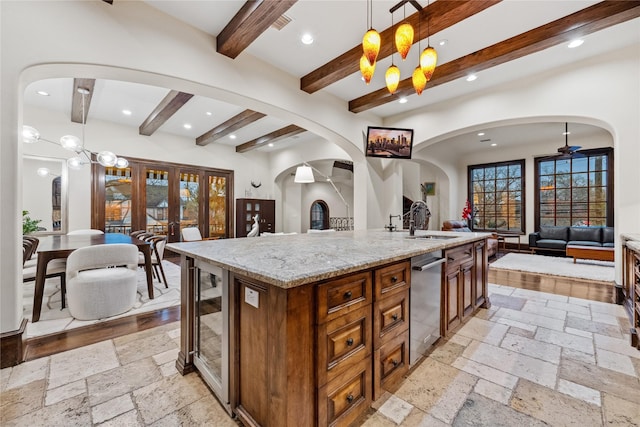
{"type": "Point", "coordinates": [319, 215]}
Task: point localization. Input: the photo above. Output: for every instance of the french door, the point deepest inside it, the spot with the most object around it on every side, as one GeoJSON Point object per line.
{"type": "Point", "coordinates": [162, 198]}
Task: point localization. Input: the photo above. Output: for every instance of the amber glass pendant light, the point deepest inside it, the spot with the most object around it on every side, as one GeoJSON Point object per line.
{"type": "Point", "coordinates": [366, 69]}
{"type": "Point", "coordinates": [392, 78]}
{"type": "Point", "coordinates": [371, 40]}
{"type": "Point", "coordinates": [404, 39]}
{"type": "Point", "coordinates": [429, 57]}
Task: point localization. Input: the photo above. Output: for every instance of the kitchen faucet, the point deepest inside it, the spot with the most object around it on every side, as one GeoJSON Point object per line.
{"type": "Point", "coordinates": [412, 221]}
{"type": "Point", "coordinates": [392, 227]}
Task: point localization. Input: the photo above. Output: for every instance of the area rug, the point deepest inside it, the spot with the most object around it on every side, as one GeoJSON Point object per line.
{"type": "Point", "coordinates": [602, 271]}
{"type": "Point", "coordinates": [54, 319]}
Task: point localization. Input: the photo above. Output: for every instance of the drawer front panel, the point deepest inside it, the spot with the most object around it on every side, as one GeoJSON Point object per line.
{"type": "Point", "coordinates": [459, 255]}
{"type": "Point", "coordinates": [391, 316]}
{"type": "Point", "coordinates": [341, 296]}
{"type": "Point", "coordinates": [343, 400]}
{"type": "Point", "coordinates": [392, 278]}
{"type": "Point", "coordinates": [343, 342]}
{"type": "Point", "coordinates": [391, 363]}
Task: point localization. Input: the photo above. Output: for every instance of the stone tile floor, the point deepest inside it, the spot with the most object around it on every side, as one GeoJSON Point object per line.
{"type": "Point", "coordinates": [532, 359]}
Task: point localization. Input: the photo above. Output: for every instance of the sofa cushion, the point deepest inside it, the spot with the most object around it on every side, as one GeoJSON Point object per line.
{"type": "Point", "coordinates": [553, 233]}
{"type": "Point", "coordinates": [584, 243]}
{"type": "Point", "coordinates": [455, 225]}
{"type": "Point", "coordinates": [592, 234]}
{"type": "Point", "coordinates": [551, 244]}
{"type": "Point", "coordinates": [608, 236]}
{"type": "Point", "coordinates": [608, 245]}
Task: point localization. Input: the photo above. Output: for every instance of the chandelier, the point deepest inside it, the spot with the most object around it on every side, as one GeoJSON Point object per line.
{"type": "Point", "coordinates": [73, 143]}
{"type": "Point", "coordinates": [404, 35]}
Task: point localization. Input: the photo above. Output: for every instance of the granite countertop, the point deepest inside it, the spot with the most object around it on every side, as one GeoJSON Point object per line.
{"type": "Point", "coordinates": [296, 259]}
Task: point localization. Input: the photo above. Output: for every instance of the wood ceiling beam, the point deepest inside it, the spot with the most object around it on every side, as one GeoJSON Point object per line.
{"type": "Point", "coordinates": [441, 14]}
{"type": "Point", "coordinates": [167, 108]}
{"type": "Point", "coordinates": [254, 18]}
{"type": "Point", "coordinates": [274, 136]}
{"type": "Point", "coordinates": [234, 123]}
{"type": "Point", "coordinates": [76, 99]}
{"type": "Point", "coordinates": [594, 18]}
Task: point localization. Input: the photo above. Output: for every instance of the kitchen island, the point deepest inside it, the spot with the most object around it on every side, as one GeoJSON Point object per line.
{"type": "Point", "coordinates": [317, 325]}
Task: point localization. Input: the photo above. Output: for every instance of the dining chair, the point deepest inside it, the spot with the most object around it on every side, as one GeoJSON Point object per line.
{"type": "Point", "coordinates": [55, 268]}
{"type": "Point", "coordinates": [139, 234]}
{"type": "Point", "coordinates": [85, 232]}
{"type": "Point", "coordinates": [102, 280]}
{"type": "Point", "coordinates": [191, 234]}
{"type": "Point", "coordinates": [157, 243]}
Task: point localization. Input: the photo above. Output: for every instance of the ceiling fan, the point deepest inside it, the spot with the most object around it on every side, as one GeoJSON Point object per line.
{"type": "Point", "coordinates": [567, 151]}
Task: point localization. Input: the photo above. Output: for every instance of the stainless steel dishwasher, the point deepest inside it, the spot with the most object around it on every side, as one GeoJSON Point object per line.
{"type": "Point", "coordinates": [424, 325]}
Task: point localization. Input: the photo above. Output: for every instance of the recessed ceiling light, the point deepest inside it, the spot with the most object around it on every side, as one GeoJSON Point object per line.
{"type": "Point", "coordinates": [43, 93]}
{"type": "Point", "coordinates": [471, 77]}
{"type": "Point", "coordinates": [126, 112]}
{"type": "Point", "coordinates": [209, 113]}
{"type": "Point", "coordinates": [187, 126]}
{"type": "Point", "coordinates": [270, 144]}
{"type": "Point", "coordinates": [403, 100]}
{"type": "Point", "coordinates": [232, 136]}
{"type": "Point", "coordinates": [443, 42]}
{"type": "Point", "coordinates": [480, 133]}
{"type": "Point", "coordinates": [306, 38]}
{"type": "Point", "coordinates": [494, 144]}
{"type": "Point", "coordinates": [575, 43]}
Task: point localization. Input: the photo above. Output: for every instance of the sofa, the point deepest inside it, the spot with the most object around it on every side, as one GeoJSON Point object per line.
{"type": "Point", "coordinates": [460, 225]}
{"type": "Point", "coordinates": [554, 238]}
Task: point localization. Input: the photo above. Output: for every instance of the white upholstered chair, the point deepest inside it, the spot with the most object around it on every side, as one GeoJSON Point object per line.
{"type": "Point", "coordinates": [84, 231]}
{"type": "Point", "coordinates": [101, 280]}
{"type": "Point", "coordinates": [191, 234]}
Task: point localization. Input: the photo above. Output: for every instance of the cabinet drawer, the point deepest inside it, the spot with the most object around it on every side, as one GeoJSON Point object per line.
{"type": "Point", "coordinates": [393, 278]}
{"type": "Point", "coordinates": [390, 364]}
{"type": "Point", "coordinates": [347, 397]}
{"type": "Point", "coordinates": [459, 255]}
{"type": "Point", "coordinates": [390, 317]}
{"type": "Point", "coordinates": [341, 296]}
{"type": "Point", "coordinates": [343, 342]}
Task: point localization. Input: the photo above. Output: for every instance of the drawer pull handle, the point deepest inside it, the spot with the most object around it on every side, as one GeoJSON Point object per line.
{"type": "Point", "coordinates": [468, 253]}
{"type": "Point", "coordinates": [350, 342]}
{"type": "Point", "coordinates": [394, 362]}
{"type": "Point", "coordinates": [347, 295]}
{"type": "Point", "coordinates": [350, 398]}
{"type": "Point", "coordinates": [450, 258]}
{"type": "Point", "coordinates": [394, 279]}
{"type": "Point", "coordinates": [394, 316]}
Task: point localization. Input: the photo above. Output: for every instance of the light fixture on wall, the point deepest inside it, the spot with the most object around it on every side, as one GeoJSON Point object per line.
{"type": "Point", "coordinates": [304, 175]}
{"type": "Point", "coordinates": [73, 143]}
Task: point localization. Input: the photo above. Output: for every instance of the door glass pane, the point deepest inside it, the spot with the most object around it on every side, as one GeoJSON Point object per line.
{"type": "Point", "coordinates": [157, 196]}
{"type": "Point", "coordinates": [189, 202]}
{"type": "Point", "coordinates": [217, 206]}
{"type": "Point", "coordinates": [209, 321]}
{"type": "Point", "coordinates": [117, 183]}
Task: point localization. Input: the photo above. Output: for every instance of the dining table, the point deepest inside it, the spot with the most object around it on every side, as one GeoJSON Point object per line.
{"type": "Point", "coordinates": [60, 247]}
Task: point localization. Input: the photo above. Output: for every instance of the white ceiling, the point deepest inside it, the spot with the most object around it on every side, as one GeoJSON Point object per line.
{"type": "Point", "coordinates": [337, 26]}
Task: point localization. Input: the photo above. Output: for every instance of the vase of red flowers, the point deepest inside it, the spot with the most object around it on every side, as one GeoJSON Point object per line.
{"type": "Point", "coordinates": [467, 214]}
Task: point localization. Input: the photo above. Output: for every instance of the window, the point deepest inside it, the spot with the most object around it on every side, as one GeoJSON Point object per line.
{"type": "Point", "coordinates": [575, 191]}
{"type": "Point", "coordinates": [496, 191]}
{"type": "Point", "coordinates": [319, 215]}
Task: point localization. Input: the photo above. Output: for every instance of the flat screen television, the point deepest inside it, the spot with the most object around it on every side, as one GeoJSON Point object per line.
{"type": "Point", "coordinates": [390, 143]}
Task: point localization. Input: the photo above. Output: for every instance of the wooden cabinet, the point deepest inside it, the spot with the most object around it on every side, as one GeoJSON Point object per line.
{"type": "Point", "coordinates": [246, 209]}
{"type": "Point", "coordinates": [464, 284]}
{"type": "Point", "coordinates": [631, 290]}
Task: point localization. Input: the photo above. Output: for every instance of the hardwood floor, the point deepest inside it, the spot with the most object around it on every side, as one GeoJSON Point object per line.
{"type": "Point", "coordinates": [55, 343]}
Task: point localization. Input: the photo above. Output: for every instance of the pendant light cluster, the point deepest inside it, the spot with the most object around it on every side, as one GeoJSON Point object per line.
{"type": "Point", "coordinates": [403, 41]}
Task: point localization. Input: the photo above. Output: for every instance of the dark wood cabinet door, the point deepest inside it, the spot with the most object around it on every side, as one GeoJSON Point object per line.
{"type": "Point", "coordinates": [246, 209]}
{"type": "Point", "coordinates": [468, 291]}
{"type": "Point", "coordinates": [480, 273]}
{"type": "Point", "coordinates": [452, 299]}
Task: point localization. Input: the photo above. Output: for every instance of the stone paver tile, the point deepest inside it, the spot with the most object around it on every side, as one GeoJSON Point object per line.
{"type": "Point", "coordinates": [581, 392]}
{"type": "Point", "coordinates": [500, 300]}
{"type": "Point", "coordinates": [167, 356]}
{"type": "Point", "coordinates": [602, 379]}
{"type": "Point", "coordinates": [169, 369]}
{"type": "Point", "coordinates": [536, 308]}
{"type": "Point", "coordinates": [426, 384]}
{"type": "Point", "coordinates": [607, 308]}
{"type": "Point", "coordinates": [454, 397]}
{"type": "Point", "coordinates": [604, 318]}
{"type": "Point", "coordinates": [375, 420]}
{"type": "Point", "coordinates": [73, 412]}
{"type": "Point", "coordinates": [517, 364]}
{"type": "Point", "coordinates": [460, 340]}
{"type": "Point", "coordinates": [203, 412]}
{"type": "Point", "coordinates": [617, 345]}
{"type": "Point", "coordinates": [595, 327]}
{"type": "Point", "coordinates": [493, 391]}
{"type": "Point", "coordinates": [497, 289]}
{"type": "Point", "coordinates": [121, 380]}
{"type": "Point", "coordinates": [18, 401]}
{"type": "Point", "coordinates": [570, 307]}
{"type": "Point", "coordinates": [481, 411]}
{"type": "Point", "coordinates": [579, 332]}
{"type": "Point", "coordinates": [619, 412]}
{"type": "Point", "coordinates": [563, 339]}
{"type": "Point", "coordinates": [396, 409]}
{"type": "Point", "coordinates": [27, 372]}
{"type": "Point", "coordinates": [5, 373]}
{"type": "Point", "coordinates": [616, 362]}
{"type": "Point", "coordinates": [538, 296]}
{"type": "Point", "coordinates": [111, 408]}
{"type": "Point", "coordinates": [128, 419]}
{"type": "Point", "coordinates": [533, 348]}
{"type": "Point", "coordinates": [483, 330]}
{"type": "Point", "coordinates": [148, 346]}
{"type": "Point", "coordinates": [80, 363]}
{"type": "Point", "coordinates": [579, 316]}
{"type": "Point", "coordinates": [447, 353]}
{"type": "Point", "coordinates": [166, 330]}
{"type": "Point", "coordinates": [170, 394]}
{"type": "Point", "coordinates": [579, 356]}
{"type": "Point", "coordinates": [65, 392]}
{"type": "Point", "coordinates": [553, 407]}
{"type": "Point", "coordinates": [515, 323]}
{"type": "Point", "coordinates": [531, 319]}
{"type": "Point", "coordinates": [488, 373]}
{"type": "Point", "coordinates": [522, 332]}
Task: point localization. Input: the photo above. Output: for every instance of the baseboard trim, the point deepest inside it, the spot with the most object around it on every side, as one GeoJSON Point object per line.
{"type": "Point", "coordinates": [11, 346]}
